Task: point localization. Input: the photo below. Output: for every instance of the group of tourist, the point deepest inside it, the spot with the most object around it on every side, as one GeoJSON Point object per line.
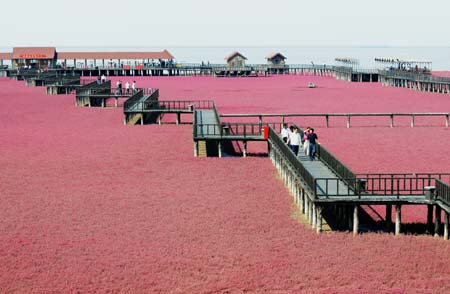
{"type": "Point", "coordinates": [119, 86]}
{"type": "Point", "coordinates": [294, 140]}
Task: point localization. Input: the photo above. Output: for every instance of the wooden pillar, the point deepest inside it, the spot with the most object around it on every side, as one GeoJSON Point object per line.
{"type": "Point", "coordinates": [348, 121]}
{"type": "Point", "coordinates": [306, 207]}
{"type": "Point", "coordinates": [446, 120]}
{"type": "Point", "coordinates": [446, 225]}
{"type": "Point", "coordinates": [429, 218]}
{"type": "Point", "coordinates": [437, 224]}
{"type": "Point", "coordinates": [388, 213]}
{"type": "Point", "coordinates": [116, 103]}
{"type": "Point", "coordinates": [412, 121]}
{"type": "Point", "coordinates": [319, 219]}
{"type": "Point", "coordinates": [302, 201]}
{"type": "Point", "coordinates": [195, 149]}
{"type": "Point", "coordinates": [178, 118]}
{"type": "Point", "coordinates": [219, 149]}
{"type": "Point", "coordinates": [392, 120]}
{"type": "Point", "coordinates": [398, 218]}
{"type": "Point", "coordinates": [142, 119]}
{"type": "Point", "coordinates": [327, 118]}
{"type": "Point", "coordinates": [355, 220]}
{"type": "Point", "coordinates": [313, 217]}
{"type": "Point", "coordinates": [244, 148]}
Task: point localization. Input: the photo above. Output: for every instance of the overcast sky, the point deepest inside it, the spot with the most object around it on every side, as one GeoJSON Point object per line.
{"type": "Point", "coordinates": [170, 23]}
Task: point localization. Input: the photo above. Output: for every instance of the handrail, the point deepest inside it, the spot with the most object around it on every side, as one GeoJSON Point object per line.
{"type": "Point", "coordinates": [388, 186]}
{"type": "Point", "coordinates": [443, 192]}
{"type": "Point", "coordinates": [336, 165]}
{"type": "Point", "coordinates": [298, 168]}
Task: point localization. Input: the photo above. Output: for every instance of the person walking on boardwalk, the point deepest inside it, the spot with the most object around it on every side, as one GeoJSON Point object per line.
{"type": "Point", "coordinates": [294, 140]}
{"type": "Point", "coordinates": [127, 88]}
{"type": "Point", "coordinates": [120, 87]}
{"type": "Point", "coordinates": [306, 141]}
{"type": "Point", "coordinates": [285, 133]}
{"type": "Point", "coordinates": [133, 87]}
{"type": "Point", "coordinates": [313, 141]}
{"type": "Point", "coordinates": [117, 87]}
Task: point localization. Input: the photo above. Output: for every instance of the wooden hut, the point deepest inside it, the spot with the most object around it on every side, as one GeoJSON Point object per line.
{"type": "Point", "coordinates": [235, 60]}
{"type": "Point", "coordinates": [276, 59]}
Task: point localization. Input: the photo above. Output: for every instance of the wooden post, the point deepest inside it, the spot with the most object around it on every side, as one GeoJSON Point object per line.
{"type": "Point", "coordinates": [445, 225]}
{"type": "Point", "coordinates": [348, 120]}
{"type": "Point", "coordinates": [219, 148]}
{"type": "Point", "coordinates": [195, 149]}
{"type": "Point", "coordinates": [326, 118]}
{"type": "Point", "coordinates": [178, 118]}
{"type": "Point", "coordinates": [319, 219]}
{"type": "Point", "coordinates": [398, 218]}
{"type": "Point", "coordinates": [437, 224]}
{"type": "Point", "coordinates": [412, 121]}
{"type": "Point", "coordinates": [355, 220]}
{"type": "Point", "coordinates": [388, 213]}
{"type": "Point", "coordinates": [429, 218]}
{"type": "Point", "coordinates": [392, 120]}
{"type": "Point", "coordinates": [116, 103]}
{"type": "Point", "coordinates": [313, 218]}
{"type": "Point", "coordinates": [446, 120]}
{"type": "Point", "coordinates": [142, 119]}
{"type": "Point", "coordinates": [303, 201]}
{"type": "Point", "coordinates": [306, 207]}
{"type": "Point", "coordinates": [245, 149]}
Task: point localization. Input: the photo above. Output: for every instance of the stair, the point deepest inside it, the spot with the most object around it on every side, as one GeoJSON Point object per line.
{"type": "Point", "coordinates": [202, 149]}
{"type": "Point", "coordinates": [134, 119]}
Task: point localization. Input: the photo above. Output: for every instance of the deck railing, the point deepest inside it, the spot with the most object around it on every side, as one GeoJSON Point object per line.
{"type": "Point", "coordinates": [443, 192]}
{"type": "Point", "coordinates": [341, 170]}
{"type": "Point", "coordinates": [297, 167]}
{"type": "Point", "coordinates": [389, 185]}
{"type": "Point", "coordinates": [348, 116]}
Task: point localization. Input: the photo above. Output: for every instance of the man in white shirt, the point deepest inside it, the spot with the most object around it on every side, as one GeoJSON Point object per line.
{"type": "Point", "coordinates": [294, 141]}
{"type": "Point", "coordinates": [133, 86]}
{"type": "Point", "coordinates": [127, 88]}
{"type": "Point", "coordinates": [285, 133]}
{"type": "Point", "coordinates": [103, 79]}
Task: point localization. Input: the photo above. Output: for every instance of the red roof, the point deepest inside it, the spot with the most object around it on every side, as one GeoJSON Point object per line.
{"type": "Point", "coordinates": [5, 56]}
{"type": "Point", "coordinates": [274, 54]}
{"type": "Point", "coordinates": [33, 53]}
{"type": "Point", "coordinates": [234, 54]}
{"type": "Point", "coordinates": [115, 55]}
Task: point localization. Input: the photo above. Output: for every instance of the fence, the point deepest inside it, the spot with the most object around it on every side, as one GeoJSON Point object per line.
{"type": "Point", "coordinates": [286, 153]}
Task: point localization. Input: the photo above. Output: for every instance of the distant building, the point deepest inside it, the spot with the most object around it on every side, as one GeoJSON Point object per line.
{"type": "Point", "coordinates": [34, 57]}
{"type": "Point", "coordinates": [48, 57]}
{"type": "Point", "coordinates": [235, 60]}
{"type": "Point", "coordinates": [276, 59]}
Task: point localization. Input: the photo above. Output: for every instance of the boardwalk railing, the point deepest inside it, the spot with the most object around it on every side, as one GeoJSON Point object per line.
{"type": "Point", "coordinates": [390, 185]}
{"type": "Point", "coordinates": [327, 116]}
{"type": "Point", "coordinates": [443, 192]}
{"type": "Point", "coordinates": [297, 167]}
{"type": "Point", "coordinates": [415, 76]}
{"type": "Point", "coordinates": [336, 165]}
{"type": "Point", "coordinates": [133, 100]}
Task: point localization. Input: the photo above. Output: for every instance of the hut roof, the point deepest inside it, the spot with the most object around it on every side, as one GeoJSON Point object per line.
{"type": "Point", "coordinates": [233, 55]}
{"type": "Point", "coordinates": [115, 55]}
{"type": "Point", "coordinates": [4, 56]}
{"type": "Point", "coordinates": [33, 53]}
{"type": "Point", "coordinates": [275, 54]}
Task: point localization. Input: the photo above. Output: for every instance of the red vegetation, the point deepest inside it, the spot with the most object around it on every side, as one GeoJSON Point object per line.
{"type": "Point", "coordinates": [89, 205]}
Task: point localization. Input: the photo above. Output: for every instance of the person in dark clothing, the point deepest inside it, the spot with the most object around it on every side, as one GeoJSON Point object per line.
{"type": "Point", "coordinates": [313, 141]}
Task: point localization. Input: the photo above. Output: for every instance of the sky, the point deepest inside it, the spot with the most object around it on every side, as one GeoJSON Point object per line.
{"type": "Point", "coordinates": [191, 23]}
